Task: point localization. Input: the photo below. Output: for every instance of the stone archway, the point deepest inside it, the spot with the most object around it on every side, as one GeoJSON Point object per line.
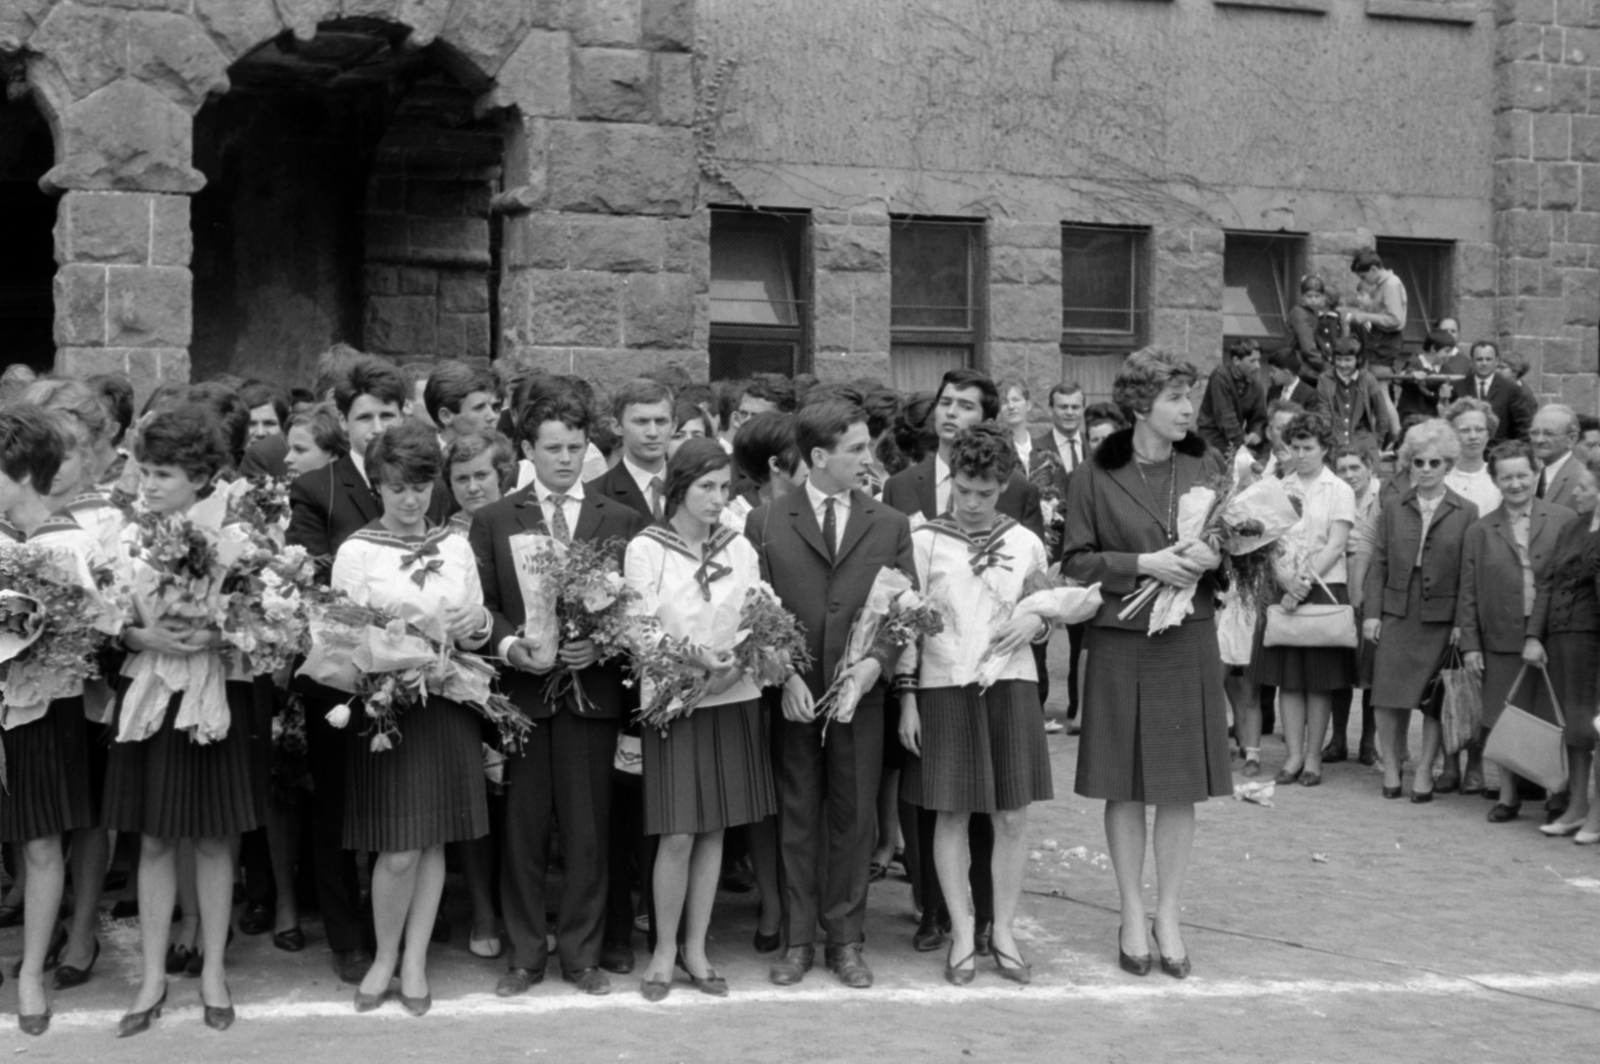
{"type": "Point", "coordinates": [27, 217]}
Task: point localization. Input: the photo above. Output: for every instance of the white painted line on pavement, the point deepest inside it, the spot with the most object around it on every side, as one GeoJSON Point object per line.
{"type": "Point", "coordinates": [1157, 988]}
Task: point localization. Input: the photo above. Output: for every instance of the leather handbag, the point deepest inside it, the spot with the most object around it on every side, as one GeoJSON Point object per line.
{"type": "Point", "coordinates": [1527, 745]}
{"type": "Point", "coordinates": [1312, 624]}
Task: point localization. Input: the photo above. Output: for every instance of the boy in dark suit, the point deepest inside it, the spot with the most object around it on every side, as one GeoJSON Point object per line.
{"type": "Point", "coordinates": [1283, 366]}
{"type": "Point", "coordinates": [1512, 405]}
{"type": "Point", "coordinates": [562, 775]}
{"type": "Point", "coordinates": [821, 547]}
{"type": "Point", "coordinates": [643, 411]}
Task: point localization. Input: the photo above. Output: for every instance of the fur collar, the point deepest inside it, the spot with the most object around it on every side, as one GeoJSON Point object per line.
{"type": "Point", "coordinates": [1117, 450]}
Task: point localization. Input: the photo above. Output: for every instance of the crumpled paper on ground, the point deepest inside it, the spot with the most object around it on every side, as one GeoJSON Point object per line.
{"type": "Point", "coordinates": [1257, 792]}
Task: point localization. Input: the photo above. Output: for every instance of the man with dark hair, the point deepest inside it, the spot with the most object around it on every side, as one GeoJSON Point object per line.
{"type": "Point", "coordinates": [1283, 368]}
{"type": "Point", "coordinates": [327, 506]}
{"type": "Point", "coordinates": [767, 392]}
{"type": "Point", "coordinates": [1513, 407]}
{"type": "Point", "coordinates": [821, 547]}
{"type": "Point", "coordinates": [562, 776]}
{"type": "Point", "coordinates": [643, 412]}
{"type": "Point", "coordinates": [1430, 379]}
{"type": "Point", "coordinates": [1382, 328]}
{"type": "Point", "coordinates": [1233, 413]}
{"type": "Point", "coordinates": [922, 492]}
{"type": "Point", "coordinates": [460, 399]}
{"type": "Point", "coordinates": [1064, 444]}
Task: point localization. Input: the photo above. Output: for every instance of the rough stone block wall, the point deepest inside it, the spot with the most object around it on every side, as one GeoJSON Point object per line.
{"type": "Point", "coordinates": [1186, 292]}
{"type": "Point", "coordinates": [1025, 303]}
{"type": "Point", "coordinates": [1547, 193]}
{"type": "Point", "coordinates": [850, 293]}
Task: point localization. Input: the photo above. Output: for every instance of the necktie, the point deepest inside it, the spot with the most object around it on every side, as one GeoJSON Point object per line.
{"type": "Point", "coordinates": [1074, 444]}
{"type": "Point", "coordinates": [657, 486]}
{"type": "Point", "coordinates": [558, 519]}
{"type": "Point", "coordinates": [830, 525]}
{"type": "Point", "coordinates": [1483, 389]}
{"type": "Point", "coordinates": [1538, 492]}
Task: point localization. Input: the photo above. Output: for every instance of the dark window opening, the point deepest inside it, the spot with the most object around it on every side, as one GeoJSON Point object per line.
{"type": "Point", "coordinates": [936, 303]}
{"type": "Point", "coordinates": [760, 294]}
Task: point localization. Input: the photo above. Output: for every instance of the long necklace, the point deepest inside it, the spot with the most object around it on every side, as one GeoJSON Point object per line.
{"type": "Point", "coordinates": [1170, 529]}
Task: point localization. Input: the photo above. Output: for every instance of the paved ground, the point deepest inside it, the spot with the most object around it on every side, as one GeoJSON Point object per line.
{"type": "Point", "coordinates": [1334, 926]}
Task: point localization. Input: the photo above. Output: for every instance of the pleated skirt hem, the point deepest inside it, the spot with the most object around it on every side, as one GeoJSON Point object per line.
{"type": "Point", "coordinates": [426, 791]}
{"type": "Point", "coordinates": [51, 784]}
{"type": "Point", "coordinates": [982, 751]}
{"type": "Point", "coordinates": [712, 770]}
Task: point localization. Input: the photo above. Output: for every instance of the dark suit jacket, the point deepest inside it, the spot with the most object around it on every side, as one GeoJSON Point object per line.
{"type": "Point", "coordinates": [265, 457]}
{"type": "Point", "coordinates": [1489, 607]}
{"type": "Point", "coordinates": [1559, 491]}
{"type": "Point", "coordinates": [1512, 405]}
{"type": "Point", "coordinates": [1304, 395]}
{"type": "Point", "coordinates": [618, 485]}
{"type": "Point", "coordinates": [328, 505]}
{"type": "Point", "coordinates": [1394, 555]}
{"type": "Point", "coordinates": [1566, 599]}
{"type": "Point", "coordinates": [913, 491]}
{"type": "Point", "coordinates": [1112, 518]}
{"type": "Point", "coordinates": [599, 519]}
{"type": "Point", "coordinates": [1232, 409]}
{"type": "Point", "coordinates": [824, 595]}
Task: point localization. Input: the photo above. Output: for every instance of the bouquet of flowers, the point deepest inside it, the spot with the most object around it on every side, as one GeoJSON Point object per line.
{"type": "Point", "coordinates": [260, 503]}
{"type": "Point", "coordinates": [1048, 595]}
{"type": "Point", "coordinates": [179, 565]}
{"type": "Point", "coordinates": [579, 586]}
{"type": "Point", "coordinates": [1052, 505]}
{"type": "Point", "coordinates": [770, 644]}
{"type": "Point", "coordinates": [893, 617]}
{"type": "Point", "coordinates": [56, 617]}
{"type": "Point", "coordinates": [269, 590]}
{"type": "Point", "coordinates": [397, 666]}
{"type": "Point", "coordinates": [676, 671]}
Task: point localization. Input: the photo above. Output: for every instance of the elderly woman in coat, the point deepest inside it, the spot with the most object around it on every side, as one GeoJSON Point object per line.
{"type": "Point", "coordinates": [1409, 605]}
{"type": "Point", "coordinates": [1155, 726]}
{"type": "Point", "coordinates": [1504, 557]}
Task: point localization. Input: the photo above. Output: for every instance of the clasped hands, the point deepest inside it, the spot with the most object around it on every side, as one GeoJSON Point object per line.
{"type": "Point", "coordinates": [172, 635]}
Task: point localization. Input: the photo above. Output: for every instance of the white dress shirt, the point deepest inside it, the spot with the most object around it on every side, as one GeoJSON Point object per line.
{"type": "Point", "coordinates": [1064, 445]}
{"type": "Point", "coordinates": [941, 485]}
{"type": "Point", "coordinates": [643, 477]}
{"type": "Point", "coordinates": [841, 510]}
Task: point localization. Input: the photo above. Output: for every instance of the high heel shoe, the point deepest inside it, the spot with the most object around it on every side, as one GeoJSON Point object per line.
{"type": "Point", "coordinates": [1177, 969]}
{"type": "Point", "coordinates": [1131, 964]}
{"type": "Point", "coordinates": [1558, 830]}
{"type": "Point", "coordinates": [954, 973]}
{"type": "Point", "coordinates": [1586, 838]}
{"type": "Point", "coordinates": [1393, 792]}
{"type": "Point", "coordinates": [1013, 968]}
{"type": "Point", "coordinates": [417, 1006]}
{"type": "Point", "coordinates": [36, 1024]}
{"type": "Point", "coordinates": [369, 1002]}
{"type": "Point", "coordinates": [69, 976]}
{"type": "Point", "coordinates": [139, 1022]}
{"type": "Point", "coordinates": [219, 1019]}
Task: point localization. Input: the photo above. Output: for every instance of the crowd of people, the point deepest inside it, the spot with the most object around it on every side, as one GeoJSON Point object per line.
{"type": "Point", "coordinates": [1431, 495]}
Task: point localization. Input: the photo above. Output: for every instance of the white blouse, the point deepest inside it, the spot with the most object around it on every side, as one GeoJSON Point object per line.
{"type": "Point", "coordinates": [1475, 487]}
{"type": "Point", "coordinates": [418, 578]}
{"type": "Point", "coordinates": [1324, 501]}
{"type": "Point", "coordinates": [695, 595]}
{"type": "Point", "coordinates": [974, 603]}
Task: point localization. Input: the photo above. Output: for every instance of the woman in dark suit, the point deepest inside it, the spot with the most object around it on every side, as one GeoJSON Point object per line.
{"type": "Point", "coordinates": [1506, 555]}
{"type": "Point", "coordinates": [1410, 601]}
{"type": "Point", "coordinates": [1564, 631]}
{"type": "Point", "coordinates": [1155, 728]}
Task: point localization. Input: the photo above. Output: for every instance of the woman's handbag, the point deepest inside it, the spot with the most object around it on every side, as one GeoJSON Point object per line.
{"type": "Point", "coordinates": [1312, 624]}
{"type": "Point", "coordinates": [1528, 746]}
{"type": "Point", "coordinates": [1461, 709]}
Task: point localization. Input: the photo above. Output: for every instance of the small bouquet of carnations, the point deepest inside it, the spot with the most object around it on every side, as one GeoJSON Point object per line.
{"type": "Point", "coordinates": [894, 617]}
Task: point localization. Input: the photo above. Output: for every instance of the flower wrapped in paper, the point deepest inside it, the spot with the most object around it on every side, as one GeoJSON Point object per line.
{"type": "Point", "coordinates": [572, 592]}
{"type": "Point", "coordinates": [271, 591]}
{"type": "Point", "coordinates": [1048, 596]}
{"type": "Point", "coordinates": [56, 618]}
{"type": "Point", "coordinates": [893, 617]}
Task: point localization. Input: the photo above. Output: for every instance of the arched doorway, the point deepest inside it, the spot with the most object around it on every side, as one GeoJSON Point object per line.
{"type": "Point", "coordinates": [27, 218]}
{"type": "Point", "coordinates": [349, 179]}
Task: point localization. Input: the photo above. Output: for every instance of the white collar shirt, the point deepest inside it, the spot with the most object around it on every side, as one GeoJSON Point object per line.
{"type": "Point", "coordinates": [841, 510]}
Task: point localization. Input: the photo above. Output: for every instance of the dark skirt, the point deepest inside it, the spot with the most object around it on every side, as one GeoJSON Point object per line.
{"type": "Point", "coordinates": [170, 787]}
{"type": "Point", "coordinates": [1409, 652]}
{"type": "Point", "coordinates": [982, 751]}
{"type": "Point", "coordinates": [51, 786]}
{"type": "Point", "coordinates": [712, 770]}
{"type": "Point", "coordinates": [426, 791]}
{"type": "Point", "coordinates": [1573, 665]}
{"type": "Point", "coordinates": [1307, 668]}
{"type": "Point", "coordinates": [1155, 719]}
{"type": "Point", "coordinates": [1499, 673]}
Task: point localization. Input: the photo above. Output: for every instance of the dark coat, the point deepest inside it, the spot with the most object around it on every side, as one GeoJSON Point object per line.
{"type": "Point", "coordinates": [1566, 599]}
{"type": "Point", "coordinates": [913, 491]}
{"type": "Point", "coordinates": [1302, 395]}
{"type": "Point", "coordinates": [1112, 518]}
{"type": "Point", "coordinates": [1513, 406]}
{"type": "Point", "coordinates": [599, 519]}
{"type": "Point", "coordinates": [1489, 607]}
{"type": "Point", "coordinates": [618, 485]}
{"type": "Point", "coordinates": [1233, 408]}
{"type": "Point", "coordinates": [825, 595]}
{"type": "Point", "coordinates": [328, 505]}
{"type": "Point", "coordinates": [1394, 555]}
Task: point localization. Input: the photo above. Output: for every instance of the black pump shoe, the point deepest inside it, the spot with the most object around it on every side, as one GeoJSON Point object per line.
{"type": "Point", "coordinates": [139, 1022]}
{"type": "Point", "coordinates": [36, 1024]}
{"type": "Point", "coordinates": [1177, 969]}
{"type": "Point", "coordinates": [68, 977]}
{"type": "Point", "coordinates": [1131, 964]}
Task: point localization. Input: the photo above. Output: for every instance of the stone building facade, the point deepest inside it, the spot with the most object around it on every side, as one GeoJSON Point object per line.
{"type": "Point", "coordinates": [850, 188]}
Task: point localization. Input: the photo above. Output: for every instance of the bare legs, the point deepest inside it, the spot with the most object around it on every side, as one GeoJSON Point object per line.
{"type": "Point", "coordinates": [1305, 723]}
{"type": "Point", "coordinates": [213, 859]}
{"type": "Point", "coordinates": [1392, 726]}
{"type": "Point", "coordinates": [158, 890]}
{"type": "Point", "coordinates": [42, 897]}
{"type": "Point", "coordinates": [685, 885]}
{"type": "Point", "coordinates": [406, 886]}
{"type": "Point", "coordinates": [1246, 701]}
{"type": "Point", "coordinates": [1174, 839]}
{"type": "Point", "coordinates": [1432, 742]}
{"type": "Point", "coordinates": [1580, 762]}
{"type": "Point", "coordinates": [952, 859]}
{"type": "Point", "coordinates": [1007, 867]}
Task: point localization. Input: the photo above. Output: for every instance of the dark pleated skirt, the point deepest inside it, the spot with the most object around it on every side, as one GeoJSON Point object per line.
{"type": "Point", "coordinates": [170, 787]}
{"type": "Point", "coordinates": [712, 770]}
{"type": "Point", "coordinates": [427, 791]}
{"type": "Point", "coordinates": [51, 786]}
{"type": "Point", "coordinates": [1307, 668]}
{"type": "Point", "coordinates": [1155, 719]}
{"type": "Point", "coordinates": [1409, 652]}
{"type": "Point", "coordinates": [982, 751]}
{"type": "Point", "coordinates": [1574, 661]}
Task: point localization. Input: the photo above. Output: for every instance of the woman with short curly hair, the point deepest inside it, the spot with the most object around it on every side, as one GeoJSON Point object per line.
{"type": "Point", "coordinates": [977, 751]}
